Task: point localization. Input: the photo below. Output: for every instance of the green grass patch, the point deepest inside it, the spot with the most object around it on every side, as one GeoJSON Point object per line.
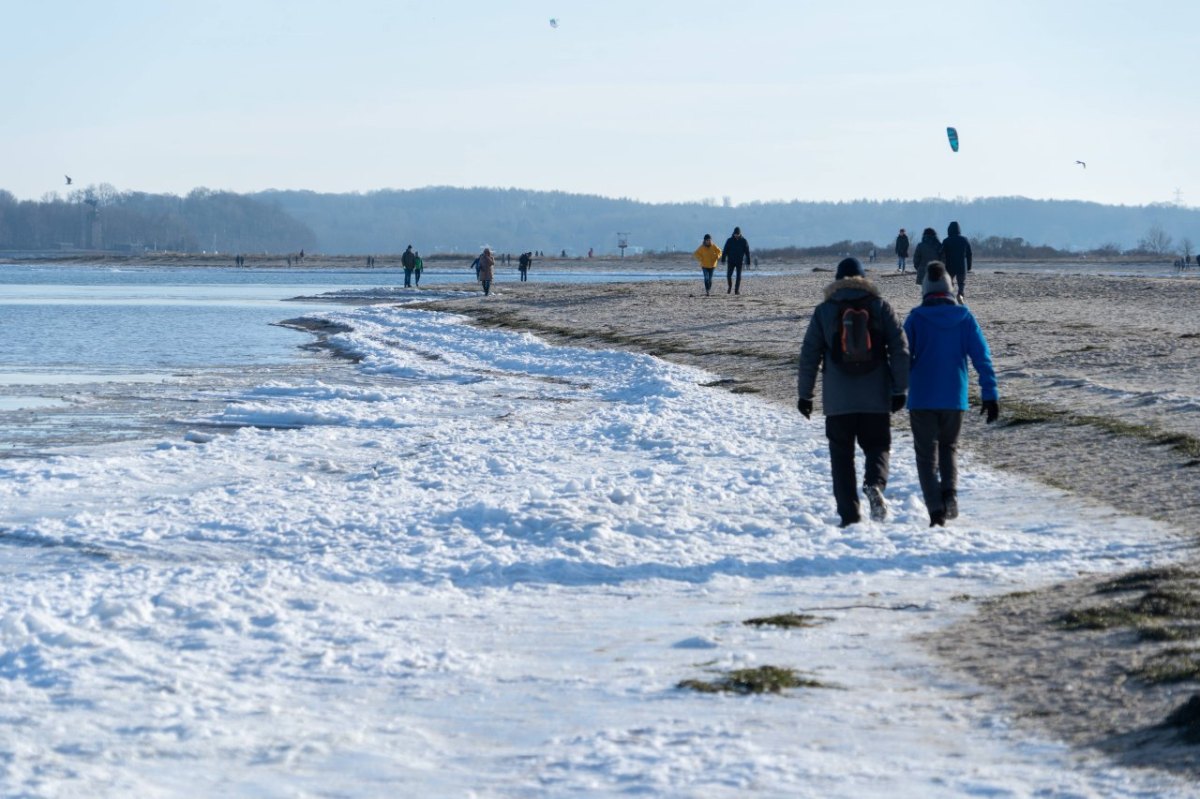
{"type": "Point", "coordinates": [1165, 633]}
{"type": "Point", "coordinates": [760, 680]}
{"type": "Point", "coordinates": [1173, 603]}
{"type": "Point", "coordinates": [1103, 617]}
{"type": "Point", "coordinates": [1145, 579]}
{"type": "Point", "coordinates": [787, 620]}
{"type": "Point", "coordinates": [1170, 666]}
{"type": "Point", "coordinates": [1143, 613]}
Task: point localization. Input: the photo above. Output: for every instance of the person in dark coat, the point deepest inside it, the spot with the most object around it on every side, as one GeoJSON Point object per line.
{"type": "Point", "coordinates": [956, 255]}
{"type": "Point", "coordinates": [735, 253]}
{"type": "Point", "coordinates": [901, 251]}
{"type": "Point", "coordinates": [942, 337]}
{"type": "Point", "coordinates": [926, 252]}
{"type": "Point", "coordinates": [857, 405]}
{"type": "Point", "coordinates": [409, 262]}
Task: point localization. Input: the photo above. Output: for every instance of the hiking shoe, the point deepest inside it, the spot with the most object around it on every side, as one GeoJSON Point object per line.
{"type": "Point", "coordinates": [878, 504]}
{"type": "Point", "coordinates": [937, 518]}
{"type": "Point", "coordinates": [950, 503]}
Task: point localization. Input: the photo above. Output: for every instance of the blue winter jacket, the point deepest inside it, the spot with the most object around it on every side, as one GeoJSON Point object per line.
{"type": "Point", "coordinates": [942, 335]}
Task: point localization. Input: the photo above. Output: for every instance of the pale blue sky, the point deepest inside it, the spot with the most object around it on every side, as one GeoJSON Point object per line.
{"type": "Point", "coordinates": [657, 101]}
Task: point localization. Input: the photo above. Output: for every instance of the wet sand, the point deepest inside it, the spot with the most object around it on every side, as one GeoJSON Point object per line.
{"type": "Point", "coordinates": [1100, 395]}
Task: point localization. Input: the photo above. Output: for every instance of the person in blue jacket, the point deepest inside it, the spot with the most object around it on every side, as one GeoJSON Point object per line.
{"type": "Point", "coordinates": [942, 337]}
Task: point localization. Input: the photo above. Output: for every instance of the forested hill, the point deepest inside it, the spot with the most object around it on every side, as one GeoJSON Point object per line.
{"type": "Point", "coordinates": [513, 220]}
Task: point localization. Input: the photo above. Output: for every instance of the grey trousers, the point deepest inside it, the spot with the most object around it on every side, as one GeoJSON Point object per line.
{"type": "Point", "coordinates": [935, 439]}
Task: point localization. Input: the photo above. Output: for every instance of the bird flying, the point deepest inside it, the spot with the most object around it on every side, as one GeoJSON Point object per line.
{"type": "Point", "coordinates": [553, 23]}
{"type": "Point", "coordinates": [1082, 164]}
{"type": "Point", "coordinates": [68, 177]}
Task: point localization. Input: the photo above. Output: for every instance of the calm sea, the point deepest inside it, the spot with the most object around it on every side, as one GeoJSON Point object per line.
{"type": "Point", "coordinates": [99, 353]}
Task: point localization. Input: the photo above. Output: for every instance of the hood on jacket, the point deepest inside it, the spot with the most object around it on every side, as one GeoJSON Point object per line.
{"type": "Point", "coordinates": [855, 284]}
{"type": "Point", "coordinates": [954, 230]}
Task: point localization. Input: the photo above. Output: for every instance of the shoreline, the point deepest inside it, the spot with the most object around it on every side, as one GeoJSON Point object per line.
{"type": "Point", "coordinates": [1083, 364]}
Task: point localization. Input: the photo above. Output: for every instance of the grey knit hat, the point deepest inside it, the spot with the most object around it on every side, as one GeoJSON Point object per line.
{"type": "Point", "coordinates": [936, 280]}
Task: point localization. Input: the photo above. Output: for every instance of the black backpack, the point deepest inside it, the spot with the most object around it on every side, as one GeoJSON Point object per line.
{"type": "Point", "coordinates": [858, 341]}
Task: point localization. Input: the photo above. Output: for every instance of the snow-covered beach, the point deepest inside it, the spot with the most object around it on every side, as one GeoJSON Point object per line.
{"type": "Point", "coordinates": [483, 567]}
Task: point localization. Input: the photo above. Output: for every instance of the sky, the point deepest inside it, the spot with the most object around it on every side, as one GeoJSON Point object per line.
{"type": "Point", "coordinates": [666, 101]}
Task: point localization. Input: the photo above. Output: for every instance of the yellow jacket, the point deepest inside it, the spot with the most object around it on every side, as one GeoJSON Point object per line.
{"type": "Point", "coordinates": [707, 256]}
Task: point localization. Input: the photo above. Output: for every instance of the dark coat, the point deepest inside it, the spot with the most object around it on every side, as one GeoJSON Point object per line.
{"type": "Point", "coordinates": [927, 251]}
{"type": "Point", "coordinates": [841, 391]}
{"type": "Point", "coordinates": [956, 252]}
{"type": "Point", "coordinates": [736, 251]}
{"type": "Point", "coordinates": [902, 245]}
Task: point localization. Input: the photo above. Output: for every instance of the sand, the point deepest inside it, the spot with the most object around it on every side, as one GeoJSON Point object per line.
{"type": "Point", "coordinates": [1100, 394]}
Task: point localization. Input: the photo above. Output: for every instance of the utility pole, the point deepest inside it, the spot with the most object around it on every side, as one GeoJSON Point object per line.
{"type": "Point", "coordinates": [622, 241]}
{"type": "Point", "coordinates": [1178, 197]}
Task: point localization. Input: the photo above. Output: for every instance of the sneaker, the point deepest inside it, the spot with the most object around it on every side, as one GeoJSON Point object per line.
{"type": "Point", "coordinates": [950, 503]}
{"type": "Point", "coordinates": [937, 518]}
{"type": "Point", "coordinates": [878, 505]}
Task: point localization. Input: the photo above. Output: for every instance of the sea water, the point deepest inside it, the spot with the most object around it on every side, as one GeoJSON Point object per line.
{"type": "Point", "coordinates": [95, 352]}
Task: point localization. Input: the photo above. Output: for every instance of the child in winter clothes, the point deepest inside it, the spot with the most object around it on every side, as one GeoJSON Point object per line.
{"type": "Point", "coordinates": [942, 337]}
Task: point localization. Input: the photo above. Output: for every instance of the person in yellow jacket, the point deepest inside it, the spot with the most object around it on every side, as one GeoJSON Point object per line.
{"type": "Point", "coordinates": [708, 254]}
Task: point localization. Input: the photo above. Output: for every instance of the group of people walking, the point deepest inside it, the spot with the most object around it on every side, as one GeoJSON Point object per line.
{"type": "Point", "coordinates": [873, 366]}
{"type": "Point", "coordinates": [735, 254]}
{"type": "Point", "coordinates": [954, 253]}
{"type": "Point", "coordinates": [413, 267]}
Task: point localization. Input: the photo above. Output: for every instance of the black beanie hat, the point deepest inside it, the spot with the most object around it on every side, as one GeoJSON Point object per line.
{"type": "Point", "coordinates": [850, 267]}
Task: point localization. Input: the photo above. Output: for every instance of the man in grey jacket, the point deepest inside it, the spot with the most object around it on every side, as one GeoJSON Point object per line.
{"type": "Point", "coordinates": [857, 398]}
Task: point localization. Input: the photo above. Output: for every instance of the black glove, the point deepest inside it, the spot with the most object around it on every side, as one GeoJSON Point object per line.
{"type": "Point", "coordinates": [805, 407]}
{"type": "Point", "coordinates": [898, 402]}
{"type": "Point", "coordinates": [992, 409]}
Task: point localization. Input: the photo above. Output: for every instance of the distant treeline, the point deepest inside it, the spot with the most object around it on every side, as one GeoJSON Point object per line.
{"type": "Point", "coordinates": [101, 218]}
{"type": "Point", "coordinates": [443, 220]}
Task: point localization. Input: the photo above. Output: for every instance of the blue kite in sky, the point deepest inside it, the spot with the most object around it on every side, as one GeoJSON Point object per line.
{"type": "Point", "coordinates": [952, 134]}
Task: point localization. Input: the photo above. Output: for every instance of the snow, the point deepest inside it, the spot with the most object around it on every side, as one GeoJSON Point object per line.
{"type": "Point", "coordinates": [483, 573]}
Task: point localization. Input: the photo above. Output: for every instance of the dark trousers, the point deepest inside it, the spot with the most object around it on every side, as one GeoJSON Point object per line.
{"type": "Point", "coordinates": [708, 273]}
{"type": "Point", "coordinates": [737, 287]}
{"type": "Point", "coordinates": [960, 280]}
{"type": "Point", "coordinates": [935, 439]}
{"type": "Point", "coordinates": [408, 276]}
{"type": "Point", "coordinates": [872, 432]}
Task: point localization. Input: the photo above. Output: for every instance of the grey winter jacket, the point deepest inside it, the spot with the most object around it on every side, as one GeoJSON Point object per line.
{"type": "Point", "coordinates": [927, 251]}
{"type": "Point", "coordinates": [841, 391]}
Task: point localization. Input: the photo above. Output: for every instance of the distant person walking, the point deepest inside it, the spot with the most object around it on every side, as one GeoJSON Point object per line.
{"type": "Point", "coordinates": [902, 251]}
{"type": "Point", "coordinates": [736, 254]}
{"type": "Point", "coordinates": [418, 268]}
{"type": "Point", "coordinates": [956, 255]}
{"type": "Point", "coordinates": [856, 342]}
{"type": "Point", "coordinates": [926, 252]}
{"type": "Point", "coordinates": [523, 265]}
{"type": "Point", "coordinates": [409, 262]}
{"type": "Point", "coordinates": [708, 254]}
{"type": "Point", "coordinates": [942, 337]}
{"type": "Point", "coordinates": [487, 270]}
